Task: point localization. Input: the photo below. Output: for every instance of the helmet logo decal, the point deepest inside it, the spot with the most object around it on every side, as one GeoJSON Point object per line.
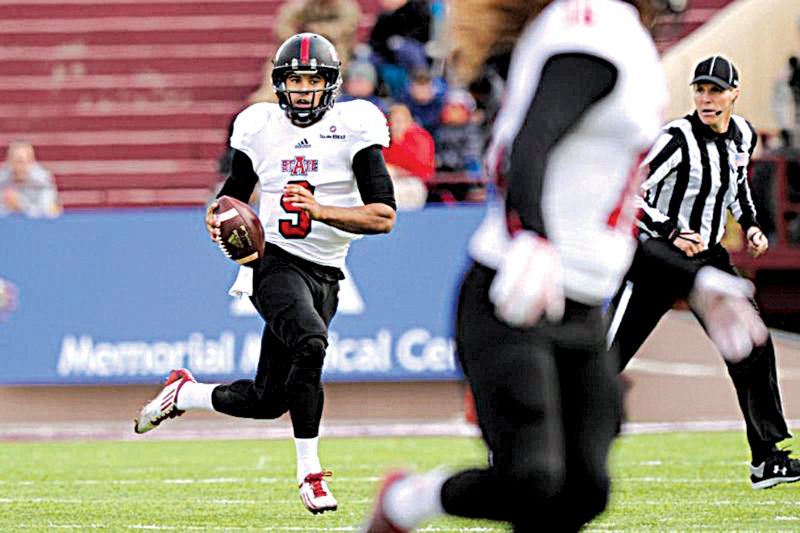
{"type": "Point", "coordinates": [305, 49]}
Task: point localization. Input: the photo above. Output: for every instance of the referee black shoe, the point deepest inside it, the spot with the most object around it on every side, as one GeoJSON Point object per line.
{"type": "Point", "coordinates": [778, 468]}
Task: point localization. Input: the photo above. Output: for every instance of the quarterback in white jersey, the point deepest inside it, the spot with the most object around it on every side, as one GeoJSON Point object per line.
{"type": "Point", "coordinates": [323, 183]}
{"type": "Point", "coordinates": [318, 158]}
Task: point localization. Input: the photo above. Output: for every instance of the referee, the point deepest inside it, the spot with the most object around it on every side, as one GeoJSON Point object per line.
{"type": "Point", "coordinates": [697, 170]}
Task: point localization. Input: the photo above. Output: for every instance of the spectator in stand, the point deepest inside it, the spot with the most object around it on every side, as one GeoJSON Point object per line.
{"type": "Point", "coordinates": [782, 106]}
{"type": "Point", "coordinates": [424, 97]}
{"type": "Point", "coordinates": [26, 187]}
{"type": "Point", "coordinates": [794, 85]}
{"type": "Point", "coordinates": [398, 41]}
{"type": "Point", "coordinates": [337, 20]}
{"type": "Point", "coordinates": [409, 158]}
{"type": "Point", "coordinates": [459, 143]}
{"type": "Point", "coordinates": [361, 82]}
{"type": "Point", "coordinates": [458, 138]}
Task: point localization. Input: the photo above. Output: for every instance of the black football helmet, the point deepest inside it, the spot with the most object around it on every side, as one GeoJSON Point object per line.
{"type": "Point", "coordinates": [306, 53]}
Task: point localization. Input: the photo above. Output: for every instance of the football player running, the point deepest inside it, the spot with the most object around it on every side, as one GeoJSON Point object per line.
{"type": "Point", "coordinates": [323, 183]}
{"type": "Point", "coordinates": [584, 97]}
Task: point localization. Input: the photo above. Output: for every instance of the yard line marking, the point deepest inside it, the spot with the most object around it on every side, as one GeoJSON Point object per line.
{"type": "Point", "coordinates": [62, 526]}
{"type": "Point", "coordinates": [672, 480]}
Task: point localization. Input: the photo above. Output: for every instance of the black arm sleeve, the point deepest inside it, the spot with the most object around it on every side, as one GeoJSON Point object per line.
{"type": "Point", "coordinates": [372, 177]}
{"type": "Point", "coordinates": [570, 84]}
{"type": "Point", "coordinates": [242, 179]}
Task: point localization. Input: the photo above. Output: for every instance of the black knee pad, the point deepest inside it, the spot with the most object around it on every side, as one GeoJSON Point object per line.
{"type": "Point", "coordinates": [307, 363]}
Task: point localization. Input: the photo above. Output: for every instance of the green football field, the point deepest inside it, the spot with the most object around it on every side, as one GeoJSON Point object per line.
{"type": "Point", "coordinates": [663, 482]}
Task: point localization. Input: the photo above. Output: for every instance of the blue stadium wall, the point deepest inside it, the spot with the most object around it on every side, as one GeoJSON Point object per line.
{"type": "Point", "coordinates": [122, 297]}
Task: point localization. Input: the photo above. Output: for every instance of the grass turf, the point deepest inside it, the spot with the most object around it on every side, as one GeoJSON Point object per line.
{"type": "Point", "coordinates": [662, 482]}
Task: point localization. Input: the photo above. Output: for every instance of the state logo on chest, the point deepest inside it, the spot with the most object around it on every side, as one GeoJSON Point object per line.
{"type": "Point", "coordinates": [299, 166]}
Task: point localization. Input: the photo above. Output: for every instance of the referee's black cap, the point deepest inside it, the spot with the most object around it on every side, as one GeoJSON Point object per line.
{"type": "Point", "coordinates": [717, 70]}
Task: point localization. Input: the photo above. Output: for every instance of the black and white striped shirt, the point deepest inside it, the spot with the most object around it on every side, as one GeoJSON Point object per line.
{"type": "Point", "coordinates": [695, 175]}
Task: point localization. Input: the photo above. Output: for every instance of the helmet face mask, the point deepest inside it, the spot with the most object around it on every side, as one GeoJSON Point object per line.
{"type": "Point", "coordinates": [306, 53]}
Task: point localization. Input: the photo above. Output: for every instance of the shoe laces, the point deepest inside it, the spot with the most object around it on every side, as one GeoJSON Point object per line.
{"type": "Point", "coordinates": [315, 480]}
{"type": "Point", "coordinates": [783, 456]}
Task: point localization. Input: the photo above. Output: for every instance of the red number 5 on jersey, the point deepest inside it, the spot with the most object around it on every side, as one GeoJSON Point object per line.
{"type": "Point", "coordinates": [300, 227]}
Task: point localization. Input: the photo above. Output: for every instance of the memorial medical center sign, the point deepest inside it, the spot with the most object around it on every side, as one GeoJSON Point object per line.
{"type": "Point", "coordinates": [123, 297]}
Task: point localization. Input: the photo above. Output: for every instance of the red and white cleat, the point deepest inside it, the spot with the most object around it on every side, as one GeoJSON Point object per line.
{"type": "Point", "coordinates": [165, 405]}
{"type": "Point", "coordinates": [379, 522]}
{"type": "Point", "coordinates": [315, 493]}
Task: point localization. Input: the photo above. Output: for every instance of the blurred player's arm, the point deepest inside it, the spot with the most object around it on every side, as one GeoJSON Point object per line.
{"type": "Point", "coordinates": [240, 184]}
{"type": "Point", "coordinates": [528, 280]}
{"type": "Point", "coordinates": [569, 86]}
{"type": "Point", "coordinates": [377, 215]}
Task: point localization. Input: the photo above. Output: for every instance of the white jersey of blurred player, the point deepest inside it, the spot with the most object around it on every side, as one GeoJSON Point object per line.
{"type": "Point", "coordinates": [320, 157]}
{"type": "Point", "coordinates": [587, 200]}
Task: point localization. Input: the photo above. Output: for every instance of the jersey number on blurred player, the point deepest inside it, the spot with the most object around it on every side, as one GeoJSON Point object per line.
{"type": "Point", "coordinates": [302, 227]}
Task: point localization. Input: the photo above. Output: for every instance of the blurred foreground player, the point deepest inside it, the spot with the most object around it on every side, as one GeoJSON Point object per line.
{"type": "Point", "coordinates": [323, 184]}
{"type": "Point", "coordinates": [584, 98]}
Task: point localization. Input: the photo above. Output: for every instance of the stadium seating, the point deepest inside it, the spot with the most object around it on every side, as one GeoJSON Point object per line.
{"type": "Point", "coordinates": [128, 102]}
{"type": "Point", "coordinates": [671, 29]}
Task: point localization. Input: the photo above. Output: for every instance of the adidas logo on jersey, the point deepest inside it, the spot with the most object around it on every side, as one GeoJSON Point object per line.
{"type": "Point", "coordinates": [303, 144]}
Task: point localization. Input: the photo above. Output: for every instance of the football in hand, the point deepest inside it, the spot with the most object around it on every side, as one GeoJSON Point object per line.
{"type": "Point", "coordinates": [241, 232]}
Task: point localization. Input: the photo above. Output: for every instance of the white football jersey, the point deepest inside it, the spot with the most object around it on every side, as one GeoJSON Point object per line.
{"type": "Point", "coordinates": [318, 157]}
{"type": "Point", "coordinates": [592, 173]}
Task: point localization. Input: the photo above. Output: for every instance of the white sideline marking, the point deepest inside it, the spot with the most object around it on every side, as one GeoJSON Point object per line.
{"type": "Point", "coordinates": [212, 501]}
{"type": "Point", "coordinates": [204, 481]}
{"type": "Point", "coordinates": [666, 368]}
{"type": "Point", "coordinates": [238, 431]}
{"type": "Point", "coordinates": [304, 528]}
{"type": "Point", "coordinates": [181, 431]}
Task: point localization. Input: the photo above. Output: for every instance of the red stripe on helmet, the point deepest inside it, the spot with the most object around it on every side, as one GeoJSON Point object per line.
{"type": "Point", "coordinates": [305, 49]}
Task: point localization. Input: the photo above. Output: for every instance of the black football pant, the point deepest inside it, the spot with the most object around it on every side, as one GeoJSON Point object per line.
{"type": "Point", "coordinates": [650, 290]}
{"type": "Point", "coordinates": [297, 299]}
{"type": "Point", "coordinates": [547, 402]}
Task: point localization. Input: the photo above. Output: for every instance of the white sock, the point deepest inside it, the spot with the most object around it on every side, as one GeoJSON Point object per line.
{"type": "Point", "coordinates": [415, 499]}
{"type": "Point", "coordinates": [196, 396]}
{"type": "Point", "coordinates": [307, 458]}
